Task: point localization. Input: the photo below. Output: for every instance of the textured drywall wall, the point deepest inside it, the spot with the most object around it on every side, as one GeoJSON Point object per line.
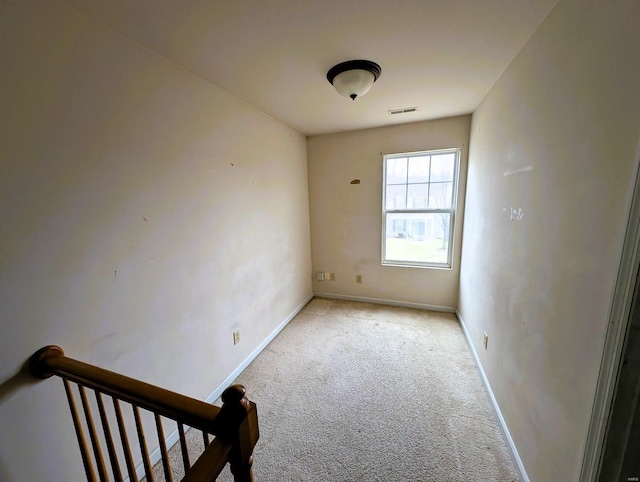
{"type": "Point", "coordinates": [145, 215]}
{"type": "Point", "coordinates": [556, 140]}
{"type": "Point", "coordinates": [346, 218]}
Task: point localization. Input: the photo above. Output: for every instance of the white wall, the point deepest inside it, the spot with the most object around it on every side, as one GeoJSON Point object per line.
{"type": "Point", "coordinates": [556, 137]}
{"type": "Point", "coordinates": [346, 218]}
{"type": "Point", "coordinates": [145, 215]}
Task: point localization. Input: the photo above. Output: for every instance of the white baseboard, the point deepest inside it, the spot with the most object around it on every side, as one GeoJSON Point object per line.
{"type": "Point", "coordinates": [381, 301]}
{"type": "Point", "coordinates": [173, 437]}
{"type": "Point", "coordinates": [235, 373]}
{"type": "Point", "coordinates": [494, 402]}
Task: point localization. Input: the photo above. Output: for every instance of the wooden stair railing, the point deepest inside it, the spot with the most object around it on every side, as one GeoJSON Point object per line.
{"type": "Point", "coordinates": [234, 425]}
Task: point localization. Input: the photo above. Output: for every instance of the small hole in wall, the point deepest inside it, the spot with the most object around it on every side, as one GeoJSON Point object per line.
{"type": "Point", "coordinates": [355, 181]}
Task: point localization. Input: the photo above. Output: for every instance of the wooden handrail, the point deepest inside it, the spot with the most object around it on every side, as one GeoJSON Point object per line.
{"type": "Point", "coordinates": [209, 464]}
{"type": "Point", "coordinates": [51, 360]}
{"type": "Point", "coordinates": [234, 425]}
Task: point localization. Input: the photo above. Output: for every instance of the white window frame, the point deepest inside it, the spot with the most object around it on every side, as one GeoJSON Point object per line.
{"type": "Point", "coordinates": [451, 211]}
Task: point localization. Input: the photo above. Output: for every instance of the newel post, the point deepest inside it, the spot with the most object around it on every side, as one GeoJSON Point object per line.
{"type": "Point", "coordinates": [239, 426]}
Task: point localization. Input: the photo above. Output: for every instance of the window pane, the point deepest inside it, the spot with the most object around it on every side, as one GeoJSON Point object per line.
{"type": "Point", "coordinates": [396, 197]}
{"type": "Point", "coordinates": [397, 170]}
{"type": "Point", "coordinates": [417, 237]}
{"type": "Point", "coordinates": [417, 195]}
{"type": "Point", "coordinates": [440, 195]}
{"type": "Point", "coordinates": [419, 169]}
{"type": "Point", "coordinates": [442, 167]}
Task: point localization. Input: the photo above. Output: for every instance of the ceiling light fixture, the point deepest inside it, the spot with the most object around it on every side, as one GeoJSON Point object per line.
{"type": "Point", "coordinates": [354, 78]}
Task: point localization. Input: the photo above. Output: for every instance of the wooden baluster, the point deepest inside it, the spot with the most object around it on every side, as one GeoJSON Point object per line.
{"type": "Point", "coordinates": [84, 450]}
{"type": "Point", "coordinates": [163, 450]}
{"type": "Point", "coordinates": [239, 425]}
{"type": "Point", "coordinates": [93, 435]}
{"type": "Point", "coordinates": [143, 445]}
{"type": "Point", "coordinates": [126, 448]}
{"type": "Point", "coordinates": [113, 456]}
{"type": "Point", "coordinates": [183, 447]}
{"type": "Point", "coordinates": [235, 425]}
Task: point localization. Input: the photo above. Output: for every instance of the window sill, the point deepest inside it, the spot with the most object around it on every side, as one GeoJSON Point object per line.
{"type": "Point", "coordinates": [419, 266]}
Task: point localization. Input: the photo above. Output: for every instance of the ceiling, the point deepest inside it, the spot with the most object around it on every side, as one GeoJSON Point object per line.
{"type": "Point", "coordinates": [442, 56]}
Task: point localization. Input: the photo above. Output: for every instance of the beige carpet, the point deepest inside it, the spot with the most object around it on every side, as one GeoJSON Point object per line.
{"type": "Point", "coordinates": [361, 392]}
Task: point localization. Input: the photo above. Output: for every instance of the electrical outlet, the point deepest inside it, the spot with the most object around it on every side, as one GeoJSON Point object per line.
{"type": "Point", "coordinates": [485, 340]}
{"type": "Point", "coordinates": [332, 276]}
{"type": "Point", "coordinates": [358, 278]}
{"type": "Point", "coordinates": [327, 275]}
{"type": "Point", "coordinates": [236, 337]}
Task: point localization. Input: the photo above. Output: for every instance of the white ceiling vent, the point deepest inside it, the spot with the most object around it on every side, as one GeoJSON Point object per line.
{"type": "Point", "coordinates": [406, 110]}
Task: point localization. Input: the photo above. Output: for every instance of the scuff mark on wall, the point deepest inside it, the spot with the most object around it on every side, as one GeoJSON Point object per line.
{"type": "Point", "coordinates": [516, 171]}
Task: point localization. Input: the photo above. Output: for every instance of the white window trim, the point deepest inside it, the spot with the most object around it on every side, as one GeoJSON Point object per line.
{"type": "Point", "coordinates": [454, 205]}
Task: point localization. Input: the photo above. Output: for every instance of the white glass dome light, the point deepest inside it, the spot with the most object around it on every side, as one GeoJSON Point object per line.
{"type": "Point", "coordinates": [354, 78]}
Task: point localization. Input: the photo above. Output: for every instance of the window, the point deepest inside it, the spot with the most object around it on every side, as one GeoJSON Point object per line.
{"type": "Point", "coordinates": [418, 208]}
